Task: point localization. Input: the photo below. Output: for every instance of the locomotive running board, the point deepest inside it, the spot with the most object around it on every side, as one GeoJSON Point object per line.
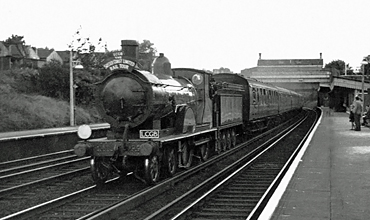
{"type": "Point", "coordinates": [182, 136]}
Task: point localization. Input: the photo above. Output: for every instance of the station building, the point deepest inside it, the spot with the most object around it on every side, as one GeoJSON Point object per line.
{"type": "Point", "coordinates": [320, 86]}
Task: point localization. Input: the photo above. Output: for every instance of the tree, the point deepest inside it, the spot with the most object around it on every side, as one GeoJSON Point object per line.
{"type": "Point", "coordinates": [86, 51]}
{"type": "Point", "coordinates": [339, 67]}
{"type": "Point", "coordinates": [146, 55]}
{"type": "Point", "coordinates": [85, 80]}
{"type": "Point", "coordinates": [15, 39]}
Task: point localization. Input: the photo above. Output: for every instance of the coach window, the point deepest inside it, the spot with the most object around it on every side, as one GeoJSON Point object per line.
{"type": "Point", "coordinates": [260, 96]}
{"type": "Point", "coordinates": [269, 96]}
{"type": "Point", "coordinates": [254, 96]}
{"type": "Point", "coordinates": [276, 97]}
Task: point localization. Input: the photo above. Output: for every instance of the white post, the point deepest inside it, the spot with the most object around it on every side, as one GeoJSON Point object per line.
{"type": "Point", "coordinates": [71, 91]}
{"type": "Point", "coordinates": [362, 89]}
{"type": "Point", "coordinates": [363, 63]}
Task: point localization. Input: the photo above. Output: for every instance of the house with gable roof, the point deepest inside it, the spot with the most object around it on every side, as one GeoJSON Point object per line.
{"type": "Point", "coordinates": [47, 55]}
{"type": "Point", "coordinates": [17, 55]}
{"type": "Point", "coordinates": [5, 57]}
{"type": "Point", "coordinates": [63, 57]}
{"type": "Point", "coordinates": [66, 54]}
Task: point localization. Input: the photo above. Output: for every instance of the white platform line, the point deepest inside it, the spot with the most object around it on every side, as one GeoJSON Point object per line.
{"type": "Point", "coordinates": [275, 198]}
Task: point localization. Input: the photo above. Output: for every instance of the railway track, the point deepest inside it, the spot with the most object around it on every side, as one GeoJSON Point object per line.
{"type": "Point", "coordinates": [243, 193]}
{"type": "Point", "coordinates": [29, 181]}
{"type": "Point", "coordinates": [81, 203]}
{"type": "Point", "coordinates": [34, 162]}
{"type": "Point", "coordinates": [119, 198]}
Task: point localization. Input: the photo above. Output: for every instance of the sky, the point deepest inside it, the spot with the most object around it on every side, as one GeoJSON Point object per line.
{"type": "Point", "coordinates": [202, 34]}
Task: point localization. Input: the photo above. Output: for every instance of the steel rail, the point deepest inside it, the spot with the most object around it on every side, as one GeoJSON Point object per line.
{"type": "Point", "coordinates": [220, 178]}
{"type": "Point", "coordinates": [31, 159]}
{"type": "Point", "coordinates": [31, 166]}
{"type": "Point", "coordinates": [6, 191]}
{"type": "Point", "coordinates": [126, 205]}
{"type": "Point", "coordinates": [134, 200]}
{"type": "Point", "coordinates": [43, 168]}
{"type": "Point", "coordinates": [264, 199]}
{"type": "Point", "coordinates": [46, 206]}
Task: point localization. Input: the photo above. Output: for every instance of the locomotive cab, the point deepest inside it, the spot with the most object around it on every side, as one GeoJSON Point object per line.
{"type": "Point", "coordinates": [201, 81]}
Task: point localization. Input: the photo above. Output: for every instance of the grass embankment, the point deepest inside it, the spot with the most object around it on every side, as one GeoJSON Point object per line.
{"type": "Point", "coordinates": [21, 108]}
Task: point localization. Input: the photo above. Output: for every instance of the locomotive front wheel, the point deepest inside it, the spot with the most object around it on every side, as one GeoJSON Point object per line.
{"type": "Point", "coordinates": [204, 151]}
{"type": "Point", "coordinates": [99, 170]}
{"type": "Point", "coordinates": [152, 169]}
{"type": "Point", "coordinates": [171, 162]}
{"type": "Point", "coordinates": [186, 154]}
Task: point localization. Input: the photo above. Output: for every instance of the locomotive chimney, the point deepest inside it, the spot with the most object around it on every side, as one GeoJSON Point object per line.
{"type": "Point", "coordinates": [259, 55]}
{"type": "Point", "coordinates": [130, 49]}
{"type": "Point", "coordinates": [320, 56]}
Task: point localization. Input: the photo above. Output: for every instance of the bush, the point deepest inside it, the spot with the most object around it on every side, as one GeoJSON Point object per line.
{"type": "Point", "coordinates": [53, 80]}
{"type": "Point", "coordinates": [25, 112]}
{"type": "Point", "coordinates": [20, 80]}
{"type": "Point", "coordinates": [85, 86]}
{"type": "Point", "coordinates": [24, 108]}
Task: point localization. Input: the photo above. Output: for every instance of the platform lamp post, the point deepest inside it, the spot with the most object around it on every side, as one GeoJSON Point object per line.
{"type": "Point", "coordinates": [71, 91]}
{"type": "Point", "coordinates": [363, 63]}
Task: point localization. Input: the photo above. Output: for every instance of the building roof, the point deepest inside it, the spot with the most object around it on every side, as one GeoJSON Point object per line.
{"type": "Point", "coordinates": [4, 51]}
{"type": "Point", "coordinates": [43, 53]}
{"type": "Point", "coordinates": [64, 55]}
{"type": "Point", "coordinates": [17, 50]}
{"type": "Point", "coordinates": [290, 62]}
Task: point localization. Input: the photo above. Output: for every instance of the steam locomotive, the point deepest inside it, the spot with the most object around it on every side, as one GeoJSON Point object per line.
{"type": "Point", "coordinates": [162, 120]}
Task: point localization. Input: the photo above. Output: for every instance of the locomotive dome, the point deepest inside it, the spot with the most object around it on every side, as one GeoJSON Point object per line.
{"type": "Point", "coordinates": [161, 67]}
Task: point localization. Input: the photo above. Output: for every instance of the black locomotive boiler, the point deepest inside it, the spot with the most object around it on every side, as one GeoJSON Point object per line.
{"type": "Point", "coordinates": [161, 120]}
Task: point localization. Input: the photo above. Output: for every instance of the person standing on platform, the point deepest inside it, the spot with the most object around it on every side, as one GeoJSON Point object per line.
{"type": "Point", "coordinates": [357, 110]}
{"type": "Point", "coordinates": [352, 117]}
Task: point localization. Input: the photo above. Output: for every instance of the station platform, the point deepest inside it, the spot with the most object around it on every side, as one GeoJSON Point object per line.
{"type": "Point", "coordinates": [332, 177]}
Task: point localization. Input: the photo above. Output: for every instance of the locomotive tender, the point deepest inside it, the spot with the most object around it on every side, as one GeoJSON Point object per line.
{"type": "Point", "coordinates": [161, 120]}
